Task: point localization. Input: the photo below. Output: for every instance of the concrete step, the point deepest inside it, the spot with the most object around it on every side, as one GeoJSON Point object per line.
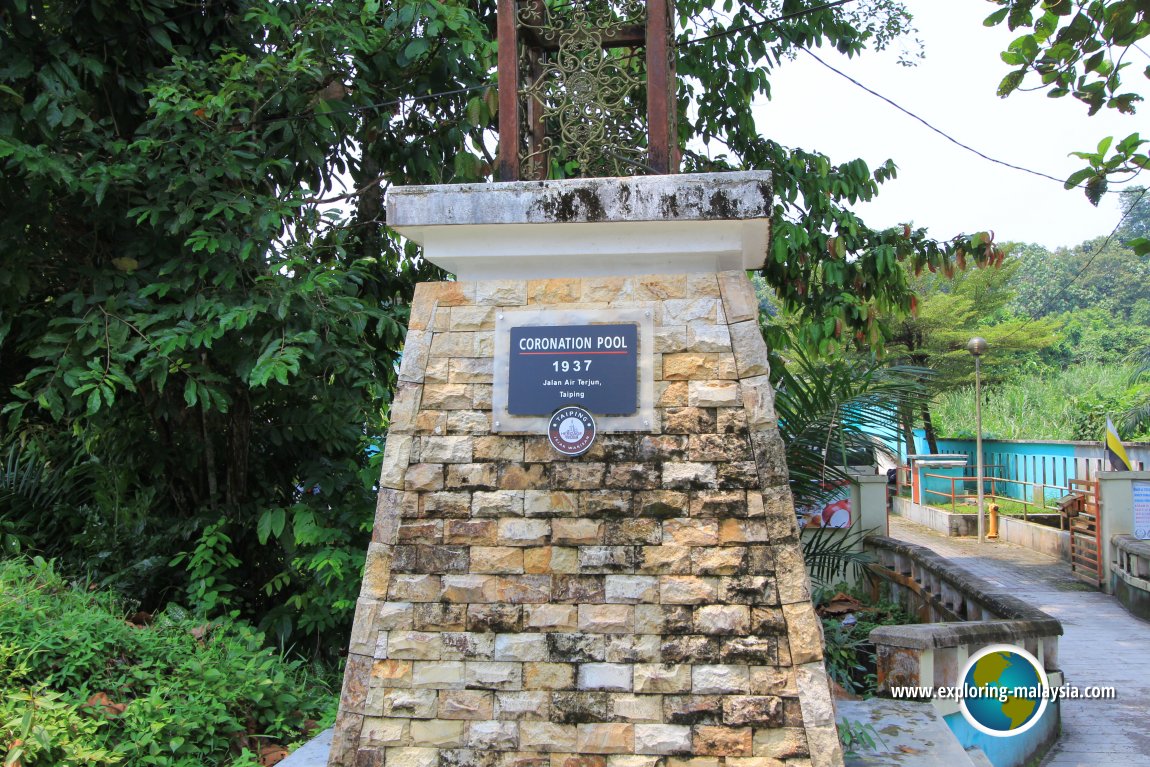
{"type": "Point", "coordinates": [978, 758]}
{"type": "Point", "coordinates": [311, 754]}
{"type": "Point", "coordinates": [909, 734]}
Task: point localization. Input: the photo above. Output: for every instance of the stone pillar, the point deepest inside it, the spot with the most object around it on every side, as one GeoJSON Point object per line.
{"type": "Point", "coordinates": [869, 502]}
{"type": "Point", "coordinates": [1116, 501]}
{"type": "Point", "coordinates": [644, 604]}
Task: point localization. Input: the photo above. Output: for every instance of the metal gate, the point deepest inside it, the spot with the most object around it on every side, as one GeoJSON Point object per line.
{"type": "Point", "coordinates": [1085, 523]}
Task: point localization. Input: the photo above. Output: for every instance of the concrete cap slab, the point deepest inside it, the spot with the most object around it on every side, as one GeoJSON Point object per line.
{"type": "Point", "coordinates": [597, 226]}
{"type": "Point", "coordinates": [736, 196]}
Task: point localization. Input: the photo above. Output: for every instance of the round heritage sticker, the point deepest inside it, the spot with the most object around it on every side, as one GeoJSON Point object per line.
{"type": "Point", "coordinates": [571, 431]}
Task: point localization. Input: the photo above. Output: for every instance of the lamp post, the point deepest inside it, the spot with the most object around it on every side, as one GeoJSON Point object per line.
{"type": "Point", "coordinates": [977, 347]}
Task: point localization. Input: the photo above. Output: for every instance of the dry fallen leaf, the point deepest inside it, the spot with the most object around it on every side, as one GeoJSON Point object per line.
{"type": "Point", "coordinates": [272, 754]}
{"type": "Point", "coordinates": [17, 762]}
{"type": "Point", "coordinates": [101, 701]}
{"type": "Point", "coordinates": [140, 619]}
{"type": "Point", "coordinates": [841, 604]}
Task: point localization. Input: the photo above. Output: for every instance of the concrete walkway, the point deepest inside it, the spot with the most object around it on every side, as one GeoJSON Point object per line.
{"type": "Point", "coordinates": [1103, 645]}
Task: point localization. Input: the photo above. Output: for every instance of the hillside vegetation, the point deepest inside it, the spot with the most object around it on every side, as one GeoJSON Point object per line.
{"type": "Point", "coordinates": [1068, 332]}
{"type": "Point", "coordinates": [1061, 404]}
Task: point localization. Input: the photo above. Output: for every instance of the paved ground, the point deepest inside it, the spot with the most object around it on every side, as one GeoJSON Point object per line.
{"type": "Point", "coordinates": [1102, 645]}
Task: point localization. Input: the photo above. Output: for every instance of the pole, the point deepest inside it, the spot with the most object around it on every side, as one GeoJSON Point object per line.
{"type": "Point", "coordinates": [978, 442]}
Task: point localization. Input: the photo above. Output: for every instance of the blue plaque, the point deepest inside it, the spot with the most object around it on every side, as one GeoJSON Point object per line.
{"type": "Point", "coordinates": [592, 366]}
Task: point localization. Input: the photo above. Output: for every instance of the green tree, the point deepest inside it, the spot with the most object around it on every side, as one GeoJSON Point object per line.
{"type": "Point", "coordinates": [952, 310]}
{"type": "Point", "coordinates": [1135, 204]}
{"type": "Point", "coordinates": [1083, 50]}
{"type": "Point", "coordinates": [174, 301]}
{"type": "Point", "coordinates": [199, 299]}
{"type": "Point", "coordinates": [1100, 289]}
{"type": "Point", "coordinates": [1091, 275]}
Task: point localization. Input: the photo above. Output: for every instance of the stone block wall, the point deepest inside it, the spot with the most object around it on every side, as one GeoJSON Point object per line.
{"type": "Point", "coordinates": [642, 605]}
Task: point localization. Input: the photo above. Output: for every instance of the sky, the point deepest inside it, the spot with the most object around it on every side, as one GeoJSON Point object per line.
{"type": "Point", "coordinates": [940, 186]}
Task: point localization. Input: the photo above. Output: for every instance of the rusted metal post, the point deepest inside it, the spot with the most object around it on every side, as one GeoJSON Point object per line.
{"type": "Point", "coordinates": [538, 161]}
{"type": "Point", "coordinates": [662, 144]}
{"type": "Point", "coordinates": [508, 71]}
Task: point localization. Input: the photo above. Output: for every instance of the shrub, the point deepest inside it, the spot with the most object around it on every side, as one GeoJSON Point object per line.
{"type": "Point", "coordinates": [849, 653]}
{"type": "Point", "coordinates": [167, 690]}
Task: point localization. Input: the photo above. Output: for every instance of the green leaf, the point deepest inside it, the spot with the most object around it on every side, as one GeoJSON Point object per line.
{"type": "Point", "coordinates": [1010, 83]}
{"type": "Point", "coordinates": [279, 517]}
{"type": "Point", "coordinates": [415, 48]}
{"type": "Point", "coordinates": [996, 18]}
{"type": "Point", "coordinates": [1077, 177]}
{"type": "Point", "coordinates": [160, 35]}
{"type": "Point", "coordinates": [1140, 245]}
{"type": "Point", "coordinates": [264, 526]}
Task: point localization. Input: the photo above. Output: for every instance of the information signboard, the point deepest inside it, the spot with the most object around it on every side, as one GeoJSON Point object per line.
{"type": "Point", "coordinates": [598, 359]}
{"type": "Point", "coordinates": [1141, 510]}
{"type": "Point", "coordinates": [592, 366]}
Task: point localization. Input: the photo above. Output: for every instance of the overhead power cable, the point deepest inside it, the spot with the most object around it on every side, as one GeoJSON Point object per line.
{"type": "Point", "coordinates": [937, 130]}
{"type": "Point", "coordinates": [763, 23]}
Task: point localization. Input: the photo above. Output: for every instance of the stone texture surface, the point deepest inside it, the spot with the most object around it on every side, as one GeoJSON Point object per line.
{"type": "Point", "coordinates": [642, 605]}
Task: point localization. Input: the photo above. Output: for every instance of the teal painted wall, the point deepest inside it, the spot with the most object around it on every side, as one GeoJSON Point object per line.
{"type": "Point", "coordinates": [1013, 751]}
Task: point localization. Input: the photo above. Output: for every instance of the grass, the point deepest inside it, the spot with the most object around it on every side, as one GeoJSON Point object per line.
{"type": "Point", "coordinates": [1068, 404]}
{"type": "Point", "coordinates": [1006, 506]}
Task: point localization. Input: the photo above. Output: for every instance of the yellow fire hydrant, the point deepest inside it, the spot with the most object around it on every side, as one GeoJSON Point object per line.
{"type": "Point", "coordinates": [992, 533]}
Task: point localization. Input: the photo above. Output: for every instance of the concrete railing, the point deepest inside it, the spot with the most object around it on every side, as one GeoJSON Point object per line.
{"type": "Point", "coordinates": [1130, 574]}
{"type": "Point", "coordinates": [961, 614]}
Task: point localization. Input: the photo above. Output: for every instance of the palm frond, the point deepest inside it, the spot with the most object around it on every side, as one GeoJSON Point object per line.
{"type": "Point", "coordinates": [1140, 365]}
{"type": "Point", "coordinates": [830, 552]}
{"type": "Point", "coordinates": [832, 410]}
{"type": "Point", "coordinates": [32, 490]}
{"type": "Point", "coordinates": [1136, 420]}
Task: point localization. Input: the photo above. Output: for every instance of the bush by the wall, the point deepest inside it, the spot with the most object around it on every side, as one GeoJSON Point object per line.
{"type": "Point", "coordinates": [85, 685]}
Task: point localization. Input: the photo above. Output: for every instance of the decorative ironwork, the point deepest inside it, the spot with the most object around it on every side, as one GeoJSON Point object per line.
{"type": "Point", "coordinates": [585, 94]}
{"type": "Point", "coordinates": [576, 78]}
